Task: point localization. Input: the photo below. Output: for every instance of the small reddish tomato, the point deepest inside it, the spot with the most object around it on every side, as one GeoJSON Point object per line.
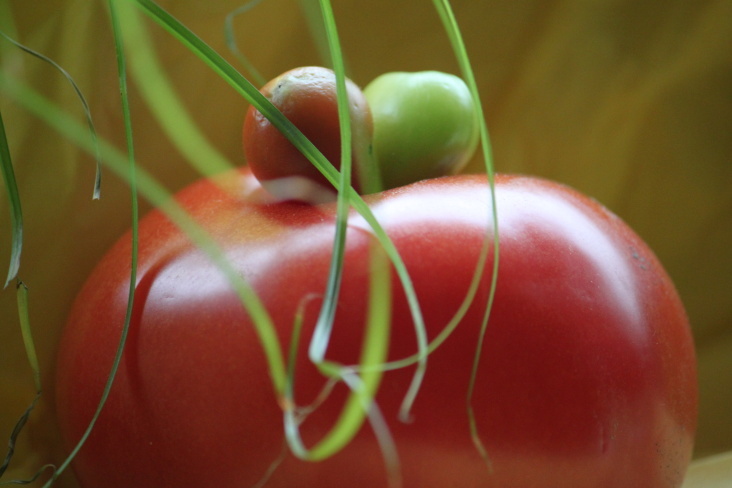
{"type": "Point", "coordinates": [307, 97]}
{"type": "Point", "coordinates": [587, 378]}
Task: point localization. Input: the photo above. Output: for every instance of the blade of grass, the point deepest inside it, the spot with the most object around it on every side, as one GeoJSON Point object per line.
{"type": "Point", "coordinates": [160, 96]}
{"type": "Point", "coordinates": [17, 429]}
{"type": "Point", "coordinates": [231, 43]}
{"type": "Point", "coordinates": [324, 325]}
{"type": "Point", "coordinates": [122, 74]}
{"type": "Point", "coordinates": [16, 213]}
{"type": "Point", "coordinates": [30, 349]}
{"type": "Point", "coordinates": [363, 386]}
{"type": "Point", "coordinates": [360, 403]}
{"type": "Point", "coordinates": [87, 112]}
{"type": "Point", "coordinates": [312, 12]}
{"type": "Point", "coordinates": [453, 31]}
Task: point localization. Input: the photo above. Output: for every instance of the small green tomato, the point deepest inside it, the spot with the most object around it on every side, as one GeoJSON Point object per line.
{"type": "Point", "coordinates": [425, 125]}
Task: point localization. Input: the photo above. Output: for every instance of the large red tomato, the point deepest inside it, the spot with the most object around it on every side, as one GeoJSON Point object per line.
{"type": "Point", "coordinates": [587, 378]}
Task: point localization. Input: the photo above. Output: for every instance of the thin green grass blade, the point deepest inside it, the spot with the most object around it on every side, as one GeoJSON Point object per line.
{"type": "Point", "coordinates": [365, 385]}
{"type": "Point", "coordinates": [16, 213]}
{"type": "Point", "coordinates": [425, 348]}
{"type": "Point", "coordinates": [17, 429]}
{"type": "Point", "coordinates": [32, 479]}
{"type": "Point", "coordinates": [87, 112]}
{"type": "Point", "coordinates": [122, 75]}
{"type": "Point", "coordinates": [230, 38]}
{"type": "Point", "coordinates": [311, 10]}
{"type": "Point", "coordinates": [453, 31]}
{"type": "Point", "coordinates": [25, 329]}
{"type": "Point", "coordinates": [324, 325]}
{"type": "Point", "coordinates": [359, 405]}
{"type": "Point", "coordinates": [22, 298]}
{"type": "Point", "coordinates": [160, 96]}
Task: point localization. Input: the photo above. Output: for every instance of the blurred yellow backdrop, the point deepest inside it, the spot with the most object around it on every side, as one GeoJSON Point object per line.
{"type": "Point", "coordinates": [629, 101]}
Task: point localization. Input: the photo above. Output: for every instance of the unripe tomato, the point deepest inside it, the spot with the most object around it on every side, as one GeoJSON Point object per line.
{"type": "Point", "coordinates": [425, 125]}
{"type": "Point", "coordinates": [307, 97]}
{"type": "Point", "coordinates": [587, 378]}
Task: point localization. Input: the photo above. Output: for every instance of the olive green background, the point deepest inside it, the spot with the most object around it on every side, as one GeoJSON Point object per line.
{"type": "Point", "coordinates": [629, 101]}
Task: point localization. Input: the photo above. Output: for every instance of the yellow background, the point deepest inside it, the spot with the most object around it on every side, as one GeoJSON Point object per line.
{"type": "Point", "coordinates": [629, 101]}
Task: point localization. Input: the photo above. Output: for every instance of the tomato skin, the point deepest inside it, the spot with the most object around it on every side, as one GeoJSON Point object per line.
{"type": "Point", "coordinates": [587, 377]}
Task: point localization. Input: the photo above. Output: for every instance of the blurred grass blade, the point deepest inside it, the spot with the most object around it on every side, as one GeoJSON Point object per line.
{"type": "Point", "coordinates": [313, 15]}
{"type": "Point", "coordinates": [160, 96]}
{"type": "Point", "coordinates": [325, 321]}
{"type": "Point", "coordinates": [25, 329]}
{"type": "Point", "coordinates": [16, 214]}
{"type": "Point", "coordinates": [360, 404]}
{"type": "Point", "coordinates": [32, 479]}
{"type": "Point", "coordinates": [453, 31]}
{"type": "Point", "coordinates": [122, 75]}
{"type": "Point", "coordinates": [324, 325]}
{"type": "Point", "coordinates": [23, 315]}
{"type": "Point", "coordinates": [96, 193]}
{"type": "Point", "coordinates": [233, 46]}
{"type": "Point", "coordinates": [17, 429]}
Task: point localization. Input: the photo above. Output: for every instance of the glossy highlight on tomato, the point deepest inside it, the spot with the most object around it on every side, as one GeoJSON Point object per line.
{"type": "Point", "coordinates": [587, 378]}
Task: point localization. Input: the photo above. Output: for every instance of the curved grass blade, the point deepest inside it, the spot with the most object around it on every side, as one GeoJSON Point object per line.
{"type": "Point", "coordinates": [30, 348]}
{"type": "Point", "coordinates": [160, 96]}
{"type": "Point", "coordinates": [22, 298]}
{"type": "Point", "coordinates": [87, 112]}
{"type": "Point", "coordinates": [360, 403]}
{"type": "Point", "coordinates": [453, 31]}
{"type": "Point", "coordinates": [231, 43]}
{"type": "Point", "coordinates": [16, 213]}
{"type": "Point", "coordinates": [312, 12]}
{"type": "Point", "coordinates": [324, 325]}
{"type": "Point", "coordinates": [122, 74]}
{"type": "Point", "coordinates": [32, 479]}
{"type": "Point", "coordinates": [363, 380]}
{"type": "Point", "coordinates": [15, 433]}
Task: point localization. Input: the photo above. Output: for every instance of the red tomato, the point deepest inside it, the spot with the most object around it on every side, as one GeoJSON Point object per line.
{"type": "Point", "coordinates": [587, 378]}
{"type": "Point", "coordinates": [307, 97]}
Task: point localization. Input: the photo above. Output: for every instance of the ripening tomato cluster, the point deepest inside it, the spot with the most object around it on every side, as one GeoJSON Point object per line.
{"type": "Point", "coordinates": [406, 127]}
{"type": "Point", "coordinates": [586, 378]}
